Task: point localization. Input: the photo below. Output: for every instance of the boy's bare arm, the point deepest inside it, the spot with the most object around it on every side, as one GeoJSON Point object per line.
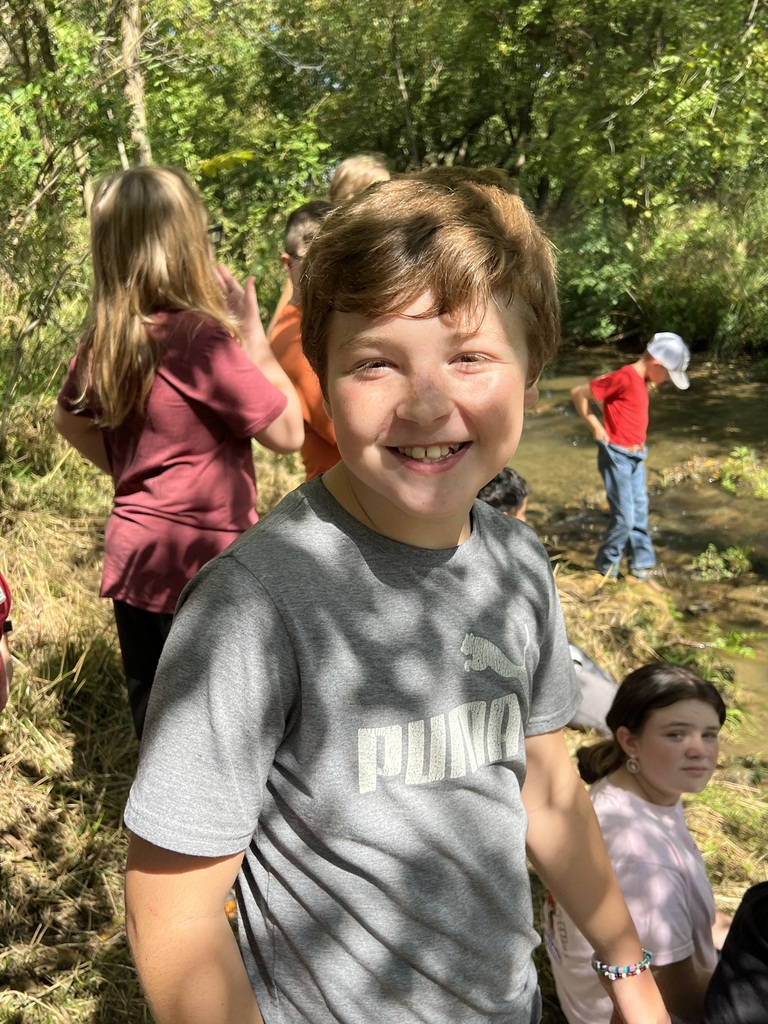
{"type": "Point", "coordinates": [185, 952]}
{"type": "Point", "coordinates": [566, 848]}
{"type": "Point", "coordinates": [582, 397]}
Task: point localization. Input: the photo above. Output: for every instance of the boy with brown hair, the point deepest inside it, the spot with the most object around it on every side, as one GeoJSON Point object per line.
{"type": "Point", "coordinates": [370, 737]}
{"type": "Point", "coordinates": [319, 451]}
{"type": "Point", "coordinates": [621, 449]}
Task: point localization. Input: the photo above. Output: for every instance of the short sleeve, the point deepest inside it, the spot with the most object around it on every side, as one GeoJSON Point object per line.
{"type": "Point", "coordinates": [224, 692]}
{"type": "Point", "coordinates": [604, 387]}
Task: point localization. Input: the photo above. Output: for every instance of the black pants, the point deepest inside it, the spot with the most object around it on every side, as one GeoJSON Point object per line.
{"type": "Point", "coordinates": [142, 635]}
{"type": "Point", "coordinates": [738, 991]}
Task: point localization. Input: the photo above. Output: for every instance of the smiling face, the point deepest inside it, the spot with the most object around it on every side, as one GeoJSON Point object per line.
{"type": "Point", "coordinates": [425, 412]}
{"type": "Point", "coordinates": [677, 750]}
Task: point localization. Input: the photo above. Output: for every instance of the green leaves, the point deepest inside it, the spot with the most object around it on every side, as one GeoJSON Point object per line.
{"type": "Point", "coordinates": [637, 132]}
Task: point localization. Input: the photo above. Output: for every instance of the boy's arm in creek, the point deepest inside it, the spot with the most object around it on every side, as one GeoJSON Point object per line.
{"type": "Point", "coordinates": [582, 397]}
{"type": "Point", "coordinates": [185, 951]}
{"type": "Point", "coordinates": [567, 850]}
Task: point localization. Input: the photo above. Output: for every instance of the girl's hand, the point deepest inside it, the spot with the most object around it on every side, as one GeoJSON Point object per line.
{"type": "Point", "coordinates": [233, 291]}
{"type": "Point", "coordinates": [244, 306]}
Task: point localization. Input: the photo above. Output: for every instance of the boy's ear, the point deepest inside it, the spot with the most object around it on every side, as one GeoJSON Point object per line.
{"type": "Point", "coordinates": [531, 396]}
{"type": "Point", "coordinates": [285, 260]}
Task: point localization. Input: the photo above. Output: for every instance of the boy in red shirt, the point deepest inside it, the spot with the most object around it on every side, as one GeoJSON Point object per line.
{"type": "Point", "coordinates": [621, 449]}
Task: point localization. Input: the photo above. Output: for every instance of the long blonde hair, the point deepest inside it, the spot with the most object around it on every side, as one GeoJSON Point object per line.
{"type": "Point", "coordinates": [150, 252]}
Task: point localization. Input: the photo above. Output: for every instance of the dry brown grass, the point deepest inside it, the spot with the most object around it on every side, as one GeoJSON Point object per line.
{"type": "Point", "coordinates": [67, 752]}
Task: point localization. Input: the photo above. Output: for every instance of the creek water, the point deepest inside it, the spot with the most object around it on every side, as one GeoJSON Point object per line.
{"type": "Point", "coordinates": [723, 409]}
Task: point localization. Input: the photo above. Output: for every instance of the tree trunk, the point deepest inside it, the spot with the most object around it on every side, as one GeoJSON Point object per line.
{"type": "Point", "coordinates": [134, 79]}
{"type": "Point", "coordinates": [403, 87]}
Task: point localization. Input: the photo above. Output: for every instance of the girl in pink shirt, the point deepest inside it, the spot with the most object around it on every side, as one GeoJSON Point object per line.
{"type": "Point", "coordinates": [665, 722]}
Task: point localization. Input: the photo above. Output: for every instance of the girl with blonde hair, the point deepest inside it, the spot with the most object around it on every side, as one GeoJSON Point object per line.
{"type": "Point", "coordinates": [665, 721]}
{"type": "Point", "coordinates": [172, 379]}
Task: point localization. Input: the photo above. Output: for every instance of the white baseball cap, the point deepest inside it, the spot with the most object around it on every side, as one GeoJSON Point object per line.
{"type": "Point", "coordinates": [671, 351]}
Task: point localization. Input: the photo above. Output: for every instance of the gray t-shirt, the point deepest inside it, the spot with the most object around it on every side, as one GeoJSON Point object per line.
{"type": "Point", "coordinates": [351, 712]}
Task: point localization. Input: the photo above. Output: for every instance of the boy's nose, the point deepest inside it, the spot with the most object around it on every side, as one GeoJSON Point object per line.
{"type": "Point", "coordinates": [424, 401]}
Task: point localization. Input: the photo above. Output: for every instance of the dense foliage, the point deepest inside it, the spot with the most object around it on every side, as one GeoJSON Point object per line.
{"type": "Point", "coordinates": [636, 132]}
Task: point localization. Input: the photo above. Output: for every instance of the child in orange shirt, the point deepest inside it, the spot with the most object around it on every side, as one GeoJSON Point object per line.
{"type": "Point", "coordinates": [319, 452]}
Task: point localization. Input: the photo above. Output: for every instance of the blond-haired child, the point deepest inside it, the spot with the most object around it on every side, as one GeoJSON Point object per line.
{"type": "Point", "coordinates": [164, 394]}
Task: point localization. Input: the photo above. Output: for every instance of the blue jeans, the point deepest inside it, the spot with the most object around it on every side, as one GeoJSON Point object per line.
{"type": "Point", "coordinates": [623, 473]}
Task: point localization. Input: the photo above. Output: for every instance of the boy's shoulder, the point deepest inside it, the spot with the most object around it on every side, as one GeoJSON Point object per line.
{"type": "Point", "coordinates": [624, 378]}
{"type": "Point", "coordinates": [306, 531]}
{"type": "Point", "coordinates": [617, 374]}
{"type": "Point", "coordinates": [497, 531]}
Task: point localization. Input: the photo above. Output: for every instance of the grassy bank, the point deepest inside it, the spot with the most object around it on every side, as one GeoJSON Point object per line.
{"type": "Point", "coordinates": [67, 752]}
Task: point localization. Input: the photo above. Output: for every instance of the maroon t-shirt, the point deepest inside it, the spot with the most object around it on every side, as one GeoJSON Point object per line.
{"type": "Point", "coordinates": [624, 394]}
{"type": "Point", "coordinates": [183, 472]}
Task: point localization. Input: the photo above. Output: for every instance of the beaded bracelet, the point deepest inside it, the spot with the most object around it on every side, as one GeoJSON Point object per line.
{"type": "Point", "coordinates": [617, 973]}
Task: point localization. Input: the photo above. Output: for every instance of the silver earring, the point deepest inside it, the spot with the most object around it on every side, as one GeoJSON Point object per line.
{"type": "Point", "coordinates": [633, 765]}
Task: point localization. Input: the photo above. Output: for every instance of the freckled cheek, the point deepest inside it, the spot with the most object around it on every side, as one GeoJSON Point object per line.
{"type": "Point", "coordinates": [505, 403]}
{"type": "Point", "coordinates": [360, 414]}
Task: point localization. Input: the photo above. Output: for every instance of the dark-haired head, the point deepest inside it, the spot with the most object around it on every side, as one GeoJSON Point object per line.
{"type": "Point", "coordinates": [506, 492]}
{"type": "Point", "coordinates": [642, 692]}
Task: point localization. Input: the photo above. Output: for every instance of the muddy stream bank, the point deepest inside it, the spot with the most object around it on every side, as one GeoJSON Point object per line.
{"type": "Point", "coordinates": [690, 434]}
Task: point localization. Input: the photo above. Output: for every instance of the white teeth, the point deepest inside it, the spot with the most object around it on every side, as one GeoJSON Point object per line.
{"type": "Point", "coordinates": [434, 453]}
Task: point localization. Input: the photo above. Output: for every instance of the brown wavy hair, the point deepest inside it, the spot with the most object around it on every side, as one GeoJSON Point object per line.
{"type": "Point", "coordinates": [461, 235]}
{"type": "Point", "coordinates": [150, 252]}
{"type": "Point", "coordinates": [643, 691]}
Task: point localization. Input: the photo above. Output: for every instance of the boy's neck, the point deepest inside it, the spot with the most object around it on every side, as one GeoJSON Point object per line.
{"type": "Point", "coordinates": [641, 368]}
{"type": "Point", "coordinates": [381, 517]}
